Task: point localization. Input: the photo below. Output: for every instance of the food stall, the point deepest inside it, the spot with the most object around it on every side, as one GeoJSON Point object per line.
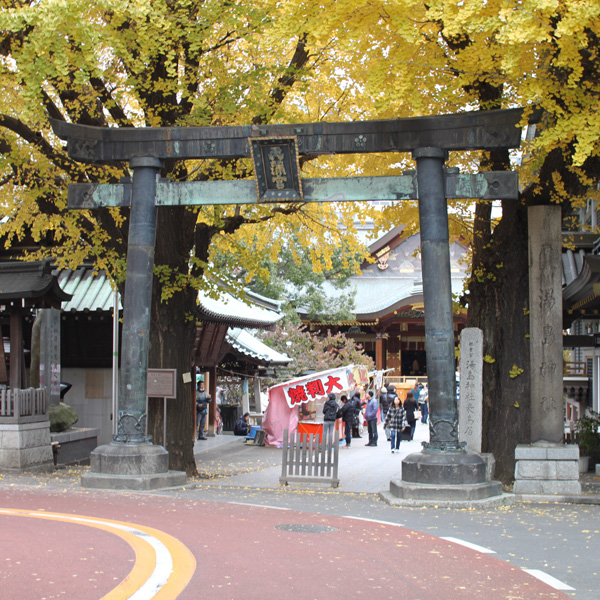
{"type": "Point", "coordinates": [297, 405]}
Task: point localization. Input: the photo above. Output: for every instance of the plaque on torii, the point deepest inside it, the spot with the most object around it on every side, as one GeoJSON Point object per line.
{"type": "Point", "coordinates": [275, 150]}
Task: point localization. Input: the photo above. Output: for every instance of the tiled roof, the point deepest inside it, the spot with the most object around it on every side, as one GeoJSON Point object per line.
{"type": "Point", "coordinates": [375, 298]}
{"type": "Point", "coordinates": [244, 342]}
{"type": "Point", "coordinates": [30, 281]}
{"type": "Point", "coordinates": [92, 291]}
{"type": "Point", "coordinates": [377, 292]}
{"type": "Point", "coordinates": [572, 265]}
{"type": "Point", "coordinates": [227, 309]}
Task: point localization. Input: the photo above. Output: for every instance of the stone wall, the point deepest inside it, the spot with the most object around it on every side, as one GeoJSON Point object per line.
{"type": "Point", "coordinates": [26, 446]}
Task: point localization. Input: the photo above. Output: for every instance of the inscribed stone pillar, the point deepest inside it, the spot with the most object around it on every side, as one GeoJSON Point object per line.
{"type": "Point", "coordinates": [471, 389]}
{"type": "Point", "coordinates": [50, 354]}
{"type": "Point", "coordinates": [545, 319]}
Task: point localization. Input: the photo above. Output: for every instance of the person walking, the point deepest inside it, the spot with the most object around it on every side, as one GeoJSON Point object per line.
{"type": "Point", "coordinates": [358, 406]}
{"type": "Point", "coordinates": [424, 404]}
{"type": "Point", "coordinates": [384, 404]}
{"type": "Point", "coordinates": [391, 395]}
{"type": "Point", "coordinates": [371, 417]}
{"type": "Point", "coordinates": [395, 420]}
{"type": "Point", "coordinates": [346, 413]}
{"type": "Point", "coordinates": [330, 409]}
{"type": "Point", "coordinates": [410, 405]}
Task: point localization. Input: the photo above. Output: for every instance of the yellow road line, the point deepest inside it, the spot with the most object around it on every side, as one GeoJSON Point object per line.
{"type": "Point", "coordinates": [145, 581]}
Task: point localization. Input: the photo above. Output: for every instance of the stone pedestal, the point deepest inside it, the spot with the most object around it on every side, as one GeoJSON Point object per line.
{"type": "Point", "coordinates": [449, 478]}
{"type": "Point", "coordinates": [26, 446]}
{"type": "Point", "coordinates": [547, 468]}
{"type": "Point", "coordinates": [119, 466]}
{"type": "Point", "coordinates": [75, 445]}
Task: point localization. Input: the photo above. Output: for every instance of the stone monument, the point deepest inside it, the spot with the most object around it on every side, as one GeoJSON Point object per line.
{"type": "Point", "coordinates": [547, 465]}
{"type": "Point", "coordinates": [470, 409]}
{"type": "Point", "coordinates": [471, 391]}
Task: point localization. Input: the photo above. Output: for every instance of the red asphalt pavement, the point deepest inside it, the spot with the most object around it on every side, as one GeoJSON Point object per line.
{"type": "Point", "coordinates": [242, 552]}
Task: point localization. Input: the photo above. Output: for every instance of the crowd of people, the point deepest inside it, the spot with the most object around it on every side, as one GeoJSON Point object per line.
{"type": "Point", "coordinates": [398, 417]}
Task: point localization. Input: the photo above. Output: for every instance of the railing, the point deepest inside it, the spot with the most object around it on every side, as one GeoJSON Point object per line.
{"type": "Point", "coordinates": [311, 458]}
{"type": "Point", "coordinates": [407, 381]}
{"type": "Point", "coordinates": [23, 406]}
{"type": "Point", "coordinates": [574, 369]}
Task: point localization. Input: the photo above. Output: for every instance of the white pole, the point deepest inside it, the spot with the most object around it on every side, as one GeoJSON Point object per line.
{"type": "Point", "coordinates": [115, 362]}
{"type": "Point", "coordinates": [165, 423]}
{"type": "Point", "coordinates": [595, 386]}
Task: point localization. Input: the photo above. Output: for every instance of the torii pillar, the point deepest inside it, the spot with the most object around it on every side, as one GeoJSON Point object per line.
{"type": "Point", "coordinates": [444, 471]}
{"type": "Point", "coordinates": [131, 461]}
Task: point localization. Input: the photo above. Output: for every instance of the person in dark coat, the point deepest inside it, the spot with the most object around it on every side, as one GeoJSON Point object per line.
{"type": "Point", "coordinates": [202, 401]}
{"type": "Point", "coordinates": [410, 405]}
{"type": "Point", "coordinates": [346, 413]}
{"type": "Point", "coordinates": [358, 406]}
{"type": "Point", "coordinates": [371, 417]}
{"type": "Point", "coordinates": [392, 395]}
{"type": "Point", "coordinates": [384, 404]}
{"type": "Point", "coordinates": [242, 425]}
{"type": "Point", "coordinates": [330, 409]}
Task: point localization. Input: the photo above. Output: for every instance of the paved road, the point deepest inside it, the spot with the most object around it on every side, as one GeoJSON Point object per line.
{"type": "Point", "coordinates": [241, 535]}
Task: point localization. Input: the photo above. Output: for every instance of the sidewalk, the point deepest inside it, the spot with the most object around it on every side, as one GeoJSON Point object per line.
{"type": "Point", "coordinates": [362, 469]}
{"type": "Point", "coordinates": [226, 459]}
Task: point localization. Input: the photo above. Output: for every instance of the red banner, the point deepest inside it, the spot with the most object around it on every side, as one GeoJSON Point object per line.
{"type": "Point", "coordinates": [337, 381]}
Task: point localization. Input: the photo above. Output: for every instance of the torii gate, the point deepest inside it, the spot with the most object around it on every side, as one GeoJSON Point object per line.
{"type": "Point", "coordinates": [275, 150]}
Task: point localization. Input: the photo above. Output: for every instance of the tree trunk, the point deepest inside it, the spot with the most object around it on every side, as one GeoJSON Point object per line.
{"type": "Point", "coordinates": [173, 329]}
{"type": "Point", "coordinates": [498, 304]}
{"type": "Point", "coordinates": [172, 341]}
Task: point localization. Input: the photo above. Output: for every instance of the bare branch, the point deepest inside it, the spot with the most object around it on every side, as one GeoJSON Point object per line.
{"type": "Point", "coordinates": [298, 61]}
{"type": "Point", "coordinates": [104, 95]}
{"type": "Point", "coordinates": [36, 139]}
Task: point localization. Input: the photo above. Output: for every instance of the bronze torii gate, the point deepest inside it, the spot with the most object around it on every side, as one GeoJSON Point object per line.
{"type": "Point", "coordinates": [275, 150]}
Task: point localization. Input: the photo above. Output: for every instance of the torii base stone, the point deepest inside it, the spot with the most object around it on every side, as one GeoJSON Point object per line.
{"type": "Point", "coordinates": [131, 467]}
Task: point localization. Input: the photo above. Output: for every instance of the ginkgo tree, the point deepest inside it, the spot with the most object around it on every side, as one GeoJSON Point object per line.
{"type": "Point", "coordinates": [136, 64]}
{"type": "Point", "coordinates": [456, 55]}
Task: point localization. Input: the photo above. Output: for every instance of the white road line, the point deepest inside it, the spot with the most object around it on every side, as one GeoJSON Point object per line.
{"type": "Point", "coordinates": [373, 521]}
{"type": "Point", "coordinates": [548, 579]}
{"type": "Point", "coordinates": [469, 545]}
{"type": "Point", "coordinates": [260, 505]}
{"type": "Point", "coordinates": [162, 570]}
